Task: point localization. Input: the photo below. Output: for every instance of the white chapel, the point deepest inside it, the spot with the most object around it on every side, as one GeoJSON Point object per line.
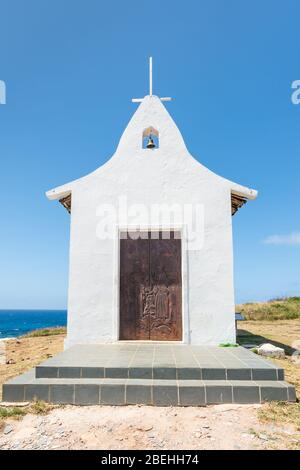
{"type": "Point", "coordinates": [151, 254]}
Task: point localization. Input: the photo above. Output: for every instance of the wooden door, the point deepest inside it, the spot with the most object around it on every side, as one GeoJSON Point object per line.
{"type": "Point", "coordinates": [150, 288]}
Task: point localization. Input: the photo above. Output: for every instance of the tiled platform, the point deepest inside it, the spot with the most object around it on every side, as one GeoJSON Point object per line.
{"type": "Point", "coordinates": [154, 374]}
{"type": "Point", "coordinates": [159, 361]}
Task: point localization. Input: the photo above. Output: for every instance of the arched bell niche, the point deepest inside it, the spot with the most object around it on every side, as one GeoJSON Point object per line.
{"type": "Point", "coordinates": [150, 138]}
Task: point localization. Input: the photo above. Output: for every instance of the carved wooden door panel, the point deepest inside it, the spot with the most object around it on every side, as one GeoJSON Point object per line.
{"type": "Point", "coordinates": [134, 276]}
{"type": "Point", "coordinates": [150, 289]}
{"type": "Point", "coordinates": [165, 282]}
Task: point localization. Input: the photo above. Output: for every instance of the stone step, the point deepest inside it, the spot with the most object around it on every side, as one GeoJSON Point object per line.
{"type": "Point", "coordinates": [261, 372]}
{"type": "Point", "coordinates": [111, 391]}
{"type": "Point", "coordinates": [159, 362]}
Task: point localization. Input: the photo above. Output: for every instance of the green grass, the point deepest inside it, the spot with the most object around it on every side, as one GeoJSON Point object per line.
{"type": "Point", "coordinates": [287, 308]}
{"type": "Point", "coordinates": [46, 332]}
{"type": "Point", "coordinates": [12, 412]}
{"type": "Point", "coordinates": [38, 407]}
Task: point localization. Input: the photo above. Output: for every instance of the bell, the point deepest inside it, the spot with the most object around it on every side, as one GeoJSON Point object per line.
{"type": "Point", "coordinates": [150, 144]}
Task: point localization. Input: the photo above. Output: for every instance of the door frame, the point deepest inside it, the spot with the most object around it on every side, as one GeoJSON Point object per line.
{"type": "Point", "coordinates": [184, 282]}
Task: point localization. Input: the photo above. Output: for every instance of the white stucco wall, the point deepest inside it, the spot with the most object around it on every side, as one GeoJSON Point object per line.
{"type": "Point", "coordinates": [167, 175]}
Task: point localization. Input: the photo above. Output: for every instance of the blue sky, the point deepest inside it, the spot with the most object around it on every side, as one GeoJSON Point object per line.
{"type": "Point", "coordinates": [71, 69]}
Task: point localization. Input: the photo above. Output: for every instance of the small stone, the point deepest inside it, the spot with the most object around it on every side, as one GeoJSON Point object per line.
{"type": "Point", "coordinates": [270, 350]}
{"type": "Point", "coordinates": [9, 404]}
{"type": "Point", "coordinates": [8, 428]}
{"type": "Point", "coordinates": [263, 437]}
{"type": "Point", "coordinates": [145, 428]}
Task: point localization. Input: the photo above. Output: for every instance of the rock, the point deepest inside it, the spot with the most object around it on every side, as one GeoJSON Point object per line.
{"type": "Point", "coordinates": [8, 428]}
{"type": "Point", "coordinates": [263, 437]}
{"type": "Point", "coordinates": [270, 350]}
{"type": "Point", "coordinates": [9, 404]}
{"type": "Point", "coordinates": [10, 361]}
{"type": "Point", "coordinates": [145, 428]}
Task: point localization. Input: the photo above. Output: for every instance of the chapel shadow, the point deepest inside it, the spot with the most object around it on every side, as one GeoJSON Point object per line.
{"type": "Point", "coordinates": [246, 337]}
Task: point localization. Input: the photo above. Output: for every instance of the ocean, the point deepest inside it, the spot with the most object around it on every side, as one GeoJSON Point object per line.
{"type": "Point", "coordinates": [19, 322]}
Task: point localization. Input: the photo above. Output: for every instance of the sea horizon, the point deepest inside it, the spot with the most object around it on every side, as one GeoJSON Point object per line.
{"type": "Point", "coordinates": [18, 322]}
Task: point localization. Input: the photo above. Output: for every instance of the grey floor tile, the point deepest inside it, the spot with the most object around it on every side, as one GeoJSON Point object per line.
{"type": "Point", "coordinates": [291, 393]}
{"type": "Point", "coordinates": [264, 374]}
{"type": "Point", "coordinates": [87, 394]}
{"type": "Point", "coordinates": [112, 394]}
{"type": "Point", "coordinates": [165, 373]}
{"type": "Point", "coordinates": [189, 373]}
{"type": "Point", "coordinates": [69, 372]}
{"type": "Point", "coordinates": [116, 372]}
{"type": "Point", "coordinates": [246, 394]}
{"type": "Point", "coordinates": [280, 374]}
{"type": "Point", "coordinates": [274, 393]}
{"type": "Point", "coordinates": [165, 395]}
{"type": "Point", "coordinates": [37, 392]}
{"type": "Point", "coordinates": [92, 372]}
{"type": "Point", "coordinates": [213, 373]}
{"type": "Point", "coordinates": [239, 374]}
{"type": "Point", "coordinates": [46, 372]}
{"type": "Point", "coordinates": [192, 395]}
{"type": "Point", "coordinates": [140, 372]}
{"type": "Point", "coordinates": [62, 394]}
{"type": "Point", "coordinates": [13, 392]}
{"type": "Point", "coordinates": [139, 394]}
{"type": "Point", "coordinates": [216, 393]}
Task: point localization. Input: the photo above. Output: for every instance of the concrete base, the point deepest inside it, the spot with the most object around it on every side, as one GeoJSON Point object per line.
{"type": "Point", "coordinates": [152, 374]}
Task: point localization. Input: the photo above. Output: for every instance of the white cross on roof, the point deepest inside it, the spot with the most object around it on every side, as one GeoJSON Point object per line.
{"type": "Point", "coordinates": [139, 100]}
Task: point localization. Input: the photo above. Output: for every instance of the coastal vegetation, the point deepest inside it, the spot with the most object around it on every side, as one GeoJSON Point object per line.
{"type": "Point", "coordinates": [286, 308]}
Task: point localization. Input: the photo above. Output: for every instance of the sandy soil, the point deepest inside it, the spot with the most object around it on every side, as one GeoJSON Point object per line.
{"type": "Point", "coordinates": [142, 427]}
{"type": "Point", "coordinates": [283, 332]}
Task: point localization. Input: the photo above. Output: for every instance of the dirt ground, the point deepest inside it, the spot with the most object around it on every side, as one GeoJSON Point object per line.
{"type": "Point", "coordinates": [143, 427]}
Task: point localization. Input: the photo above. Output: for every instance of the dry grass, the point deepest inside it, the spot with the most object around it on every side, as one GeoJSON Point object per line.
{"type": "Point", "coordinates": [281, 412]}
{"type": "Point", "coordinates": [38, 407]}
{"type": "Point", "coordinates": [278, 309]}
{"type": "Point", "coordinates": [46, 332]}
